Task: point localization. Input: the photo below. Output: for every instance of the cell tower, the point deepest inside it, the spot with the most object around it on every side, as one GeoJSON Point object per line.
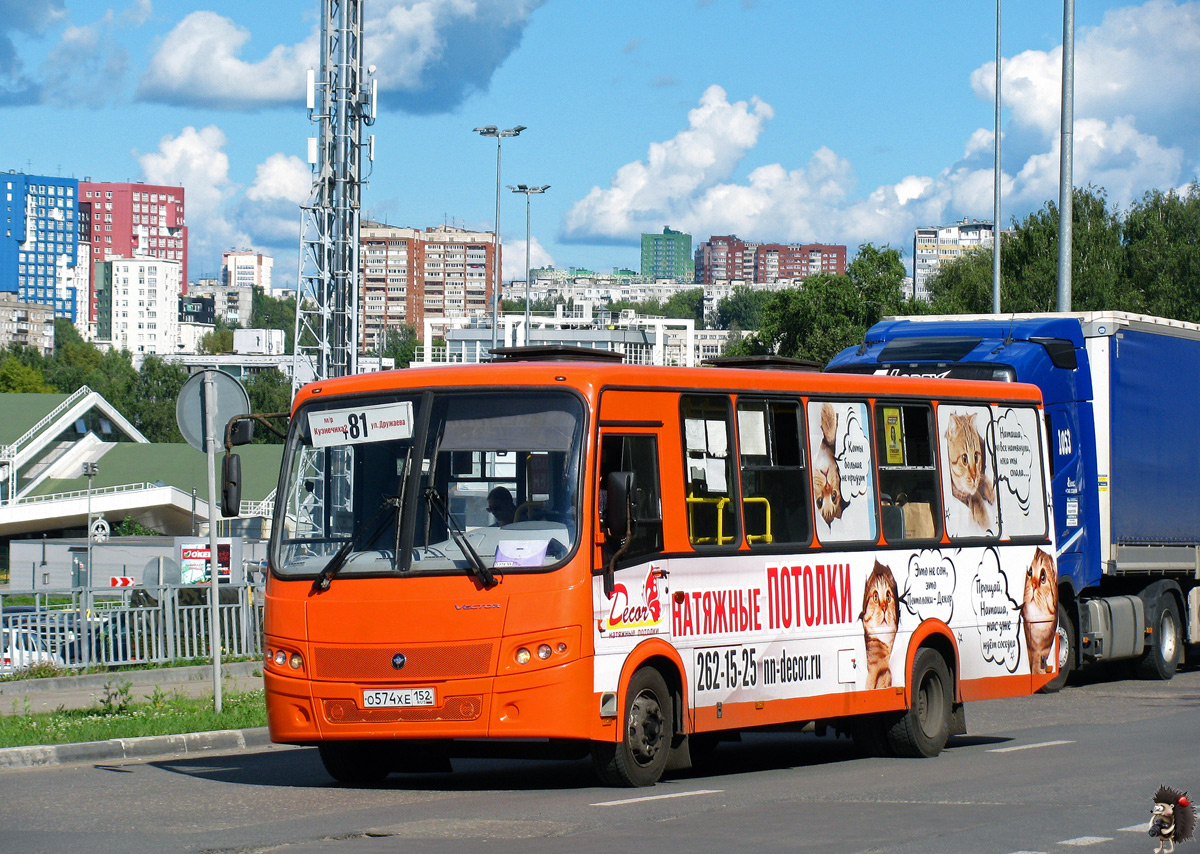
{"type": "Point", "coordinates": [341, 101]}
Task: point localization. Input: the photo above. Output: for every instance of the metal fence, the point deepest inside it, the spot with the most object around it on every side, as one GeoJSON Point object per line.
{"type": "Point", "coordinates": [146, 625]}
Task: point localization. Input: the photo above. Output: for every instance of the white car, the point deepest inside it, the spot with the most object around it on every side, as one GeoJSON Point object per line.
{"type": "Point", "coordinates": [20, 648]}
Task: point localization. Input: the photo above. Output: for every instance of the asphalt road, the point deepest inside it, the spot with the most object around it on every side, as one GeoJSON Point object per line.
{"type": "Point", "coordinates": [1061, 773]}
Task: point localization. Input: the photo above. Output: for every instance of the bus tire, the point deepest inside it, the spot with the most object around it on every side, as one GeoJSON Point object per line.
{"type": "Point", "coordinates": [1064, 633]}
{"type": "Point", "coordinates": [640, 757]}
{"type": "Point", "coordinates": [1162, 656]}
{"type": "Point", "coordinates": [355, 763]}
{"type": "Point", "coordinates": [922, 731]}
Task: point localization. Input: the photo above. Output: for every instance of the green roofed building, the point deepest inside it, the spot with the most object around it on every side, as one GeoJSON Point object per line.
{"type": "Point", "coordinates": [45, 440]}
{"type": "Point", "coordinates": [668, 256]}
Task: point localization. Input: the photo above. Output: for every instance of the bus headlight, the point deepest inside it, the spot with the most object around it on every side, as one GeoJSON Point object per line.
{"type": "Point", "coordinates": [523, 656]}
{"type": "Point", "coordinates": [296, 661]}
{"type": "Point", "coordinates": [280, 657]}
{"type": "Point", "coordinates": [544, 651]}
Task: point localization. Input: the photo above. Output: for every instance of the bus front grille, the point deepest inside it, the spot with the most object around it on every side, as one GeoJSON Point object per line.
{"type": "Point", "coordinates": [452, 709]}
{"type": "Point", "coordinates": [420, 662]}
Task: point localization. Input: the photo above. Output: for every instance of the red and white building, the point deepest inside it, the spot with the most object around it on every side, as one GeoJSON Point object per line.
{"type": "Point", "coordinates": [128, 220]}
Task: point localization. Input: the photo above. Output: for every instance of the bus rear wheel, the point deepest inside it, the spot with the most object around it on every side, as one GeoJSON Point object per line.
{"type": "Point", "coordinates": [356, 763]}
{"type": "Point", "coordinates": [640, 757]}
{"type": "Point", "coordinates": [922, 731]}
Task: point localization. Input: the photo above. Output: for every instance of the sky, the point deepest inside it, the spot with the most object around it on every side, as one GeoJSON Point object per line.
{"type": "Point", "coordinates": [775, 120]}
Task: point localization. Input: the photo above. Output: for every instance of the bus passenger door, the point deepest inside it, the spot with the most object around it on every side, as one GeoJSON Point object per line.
{"type": "Point", "coordinates": [631, 599]}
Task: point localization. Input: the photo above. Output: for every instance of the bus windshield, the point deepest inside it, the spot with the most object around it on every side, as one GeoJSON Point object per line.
{"type": "Point", "coordinates": [435, 482]}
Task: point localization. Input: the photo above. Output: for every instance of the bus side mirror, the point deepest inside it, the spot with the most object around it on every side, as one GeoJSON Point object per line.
{"type": "Point", "coordinates": [241, 432]}
{"type": "Point", "coordinates": [231, 485]}
{"type": "Point", "coordinates": [618, 511]}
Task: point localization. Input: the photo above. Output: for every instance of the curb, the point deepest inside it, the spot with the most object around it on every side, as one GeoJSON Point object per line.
{"type": "Point", "coordinates": [143, 747]}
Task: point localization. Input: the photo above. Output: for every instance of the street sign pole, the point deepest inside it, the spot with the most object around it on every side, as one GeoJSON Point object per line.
{"type": "Point", "coordinates": [214, 569]}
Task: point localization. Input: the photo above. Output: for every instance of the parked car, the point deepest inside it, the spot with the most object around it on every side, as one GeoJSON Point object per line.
{"type": "Point", "coordinates": [21, 648]}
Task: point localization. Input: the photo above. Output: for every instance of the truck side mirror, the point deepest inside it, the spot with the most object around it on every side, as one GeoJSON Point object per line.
{"type": "Point", "coordinates": [231, 485]}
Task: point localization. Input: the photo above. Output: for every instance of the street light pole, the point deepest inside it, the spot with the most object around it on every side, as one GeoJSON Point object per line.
{"type": "Point", "coordinates": [528, 191]}
{"type": "Point", "coordinates": [90, 470]}
{"type": "Point", "coordinates": [492, 130]}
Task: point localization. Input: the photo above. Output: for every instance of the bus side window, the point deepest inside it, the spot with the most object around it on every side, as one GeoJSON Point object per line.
{"type": "Point", "coordinates": [637, 454]}
{"type": "Point", "coordinates": [967, 440]}
{"type": "Point", "coordinates": [775, 506]}
{"type": "Point", "coordinates": [711, 489]}
{"type": "Point", "coordinates": [908, 488]}
{"type": "Point", "coordinates": [843, 473]}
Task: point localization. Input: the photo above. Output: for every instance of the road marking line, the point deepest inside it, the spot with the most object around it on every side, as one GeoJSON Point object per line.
{"type": "Point", "coordinates": [1086, 840]}
{"type": "Point", "coordinates": [658, 797]}
{"type": "Point", "coordinates": [1136, 828]}
{"type": "Point", "coordinates": [1027, 746]}
{"type": "Point", "coordinates": [1027, 852]}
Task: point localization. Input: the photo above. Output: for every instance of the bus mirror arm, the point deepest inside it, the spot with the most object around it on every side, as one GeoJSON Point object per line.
{"type": "Point", "coordinates": [619, 517]}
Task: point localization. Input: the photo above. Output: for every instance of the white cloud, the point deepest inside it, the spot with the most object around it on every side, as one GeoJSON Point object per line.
{"type": "Point", "coordinates": [513, 258]}
{"type": "Point", "coordinates": [647, 194]}
{"type": "Point", "coordinates": [1136, 128]}
{"type": "Point", "coordinates": [199, 63]}
{"type": "Point", "coordinates": [429, 56]}
{"type": "Point", "coordinates": [281, 176]}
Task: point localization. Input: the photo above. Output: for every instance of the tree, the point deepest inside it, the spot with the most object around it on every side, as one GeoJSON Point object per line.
{"type": "Point", "coordinates": [741, 310]}
{"type": "Point", "coordinates": [828, 312]}
{"type": "Point", "coordinates": [401, 344]}
{"type": "Point", "coordinates": [152, 406]}
{"type": "Point", "coordinates": [269, 391]}
{"type": "Point", "coordinates": [684, 304]}
{"type": "Point", "coordinates": [1162, 252]}
{"type": "Point", "coordinates": [271, 313]}
{"type": "Point", "coordinates": [18, 377]}
{"type": "Point", "coordinates": [220, 340]}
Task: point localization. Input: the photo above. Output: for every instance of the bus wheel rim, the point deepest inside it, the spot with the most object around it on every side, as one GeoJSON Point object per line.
{"type": "Point", "coordinates": [646, 727]}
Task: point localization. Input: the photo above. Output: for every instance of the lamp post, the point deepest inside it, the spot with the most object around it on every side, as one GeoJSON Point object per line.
{"type": "Point", "coordinates": [492, 130]}
{"type": "Point", "coordinates": [90, 470]}
{"type": "Point", "coordinates": [528, 191]}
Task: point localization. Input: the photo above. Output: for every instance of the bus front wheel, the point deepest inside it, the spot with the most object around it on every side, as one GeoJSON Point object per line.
{"type": "Point", "coordinates": [925, 727]}
{"type": "Point", "coordinates": [640, 757]}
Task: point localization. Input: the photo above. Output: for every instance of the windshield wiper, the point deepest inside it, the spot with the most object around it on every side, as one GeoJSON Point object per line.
{"type": "Point", "coordinates": [386, 512]}
{"type": "Point", "coordinates": [483, 573]}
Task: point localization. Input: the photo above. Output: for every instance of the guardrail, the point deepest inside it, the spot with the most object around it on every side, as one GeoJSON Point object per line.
{"type": "Point", "coordinates": [82, 493]}
{"type": "Point", "coordinates": [79, 628]}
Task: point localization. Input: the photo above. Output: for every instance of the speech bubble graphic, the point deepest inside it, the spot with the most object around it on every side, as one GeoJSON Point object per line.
{"type": "Point", "coordinates": [1014, 457]}
{"type": "Point", "coordinates": [997, 613]}
{"type": "Point", "coordinates": [853, 454]}
{"type": "Point", "coordinates": [929, 589]}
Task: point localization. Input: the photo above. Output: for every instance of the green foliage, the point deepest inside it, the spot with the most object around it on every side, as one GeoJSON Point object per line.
{"type": "Point", "coordinates": [684, 304]}
{"type": "Point", "coordinates": [1147, 262]}
{"type": "Point", "coordinates": [401, 344]}
{"type": "Point", "coordinates": [829, 312]}
{"type": "Point", "coordinates": [271, 313]}
{"type": "Point", "coordinates": [742, 309]}
{"type": "Point", "coordinates": [15, 376]}
{"type": "Point", "coordinates": [130, 527]}
{"type": "Point", "coordinates": [161, 714]}
{"type": "Point", "coordinates": [269, 391]}
{"type": "Point", "coordinates": [219, 341]}
{"type": "Point", "coordinates": [155, 393]}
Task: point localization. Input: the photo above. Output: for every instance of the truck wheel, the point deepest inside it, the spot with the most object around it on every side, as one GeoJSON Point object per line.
{"type": "Point", "coordinates": [1064, 633]}
{"type": "Point", "coordinates": [640, 757]}
{"type": "Point", "coordinates": [1162, 656]}
{"type": "Point", "coordinates": [355, 762]}
{"type": "Point", "coordinates": [922, 731]}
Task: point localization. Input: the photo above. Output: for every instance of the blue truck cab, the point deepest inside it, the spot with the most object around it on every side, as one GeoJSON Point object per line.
{"type": "Point", "coordinates": [1122, 408]}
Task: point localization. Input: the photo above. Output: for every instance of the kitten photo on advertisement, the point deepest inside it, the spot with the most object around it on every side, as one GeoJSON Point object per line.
{"type": "Point", "coordinates": [970, 482]}
{"type": "Point", "coordinates": [880, 616]}
{"type": "Point", "coordinates": [827, 478]}
{"type": "Point", "coordinates": [1039, 608]}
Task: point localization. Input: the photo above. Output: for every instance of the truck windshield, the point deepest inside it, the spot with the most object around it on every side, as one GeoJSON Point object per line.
{"type": "Point", "coordinates": [474, 480]}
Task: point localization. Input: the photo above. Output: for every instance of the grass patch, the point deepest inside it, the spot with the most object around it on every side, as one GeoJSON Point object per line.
{"type": "Point", "coordinates": [44, 670]}
{"type": "Point", "coordinates": [163, 713]}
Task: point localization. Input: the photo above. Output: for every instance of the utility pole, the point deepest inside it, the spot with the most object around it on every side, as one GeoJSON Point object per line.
{"type": "Point", "coordinates": [341, 102]}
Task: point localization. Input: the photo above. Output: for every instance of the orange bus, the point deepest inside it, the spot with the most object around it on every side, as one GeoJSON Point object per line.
{"type": "Point", "coordinates": [639, 561]}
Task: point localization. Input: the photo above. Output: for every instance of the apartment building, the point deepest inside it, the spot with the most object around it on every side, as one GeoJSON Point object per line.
{"type": "Point", "coordinates": [934, 245]}
{"type": "Point", "coordinates": [140, 300]}
{"type": "Point", "coordinates": [668, 256]}
{"type": "Point", "coordinates": [409, 275]}
{"type": "Point", "coordinates": [245, 268]}
{"type": "Point", "coordinates": [39, 253]}
{"type": "Point", "coordinates": [128, 220]}
{"type": "Point", "coordinates": [724, 258]}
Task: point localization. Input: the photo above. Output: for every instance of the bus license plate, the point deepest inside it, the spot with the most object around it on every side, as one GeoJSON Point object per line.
{"type": "Point", "coordinates": [399, 698]}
